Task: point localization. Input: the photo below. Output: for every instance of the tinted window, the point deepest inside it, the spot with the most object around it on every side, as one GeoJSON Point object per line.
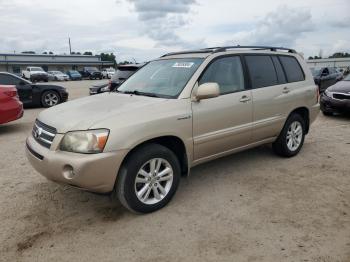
{"type": "Point", "coordinates": [8, 80]}
{"type": "Point", "coordinates": [262, 71]}
{"type": "Point", "coordinates": [122, 75]}
{"type": "Point", "coordinates": [292, 69]}
{"type": "Point", "coordinates": [227, 72]}
{"type": "Point", "coordinates": [279, 70]}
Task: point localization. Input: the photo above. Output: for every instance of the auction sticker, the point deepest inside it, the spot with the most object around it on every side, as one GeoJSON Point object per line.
{"type": "Point", "coordinates": [184, 65]}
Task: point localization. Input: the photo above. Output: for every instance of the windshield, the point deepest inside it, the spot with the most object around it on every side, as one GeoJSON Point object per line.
{"type": "Point", "coordinates": [36, 69]}
{"type": "Point", "coordinates": [73, 72]}
{"type": "Point", "coordinates": [164, 78]}
{"type": "Point", "coordinates": [122, 75]}
{"type": "Point", "coordinates": [315, 71]}
{"type": "Point", "coordinates": [91, 69]}
{"type": "Point", "coordinates": [347, 78]}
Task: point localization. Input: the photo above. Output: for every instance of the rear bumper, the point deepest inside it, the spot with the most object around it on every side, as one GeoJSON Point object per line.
{"type": "Point", "coordinates": [12, 111]}
{"type": "Point", "coordinates": [314, 111]}
{"type": "Point", "coordinates": [92, 172]}
{"type": "Point", "coordinates": [330, 105]}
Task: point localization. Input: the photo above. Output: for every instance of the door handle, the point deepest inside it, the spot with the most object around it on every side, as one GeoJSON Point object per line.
{"type": "Point", "coordinates": [244, 99]}
{"type": "Point", "coordinates": [285, 90]}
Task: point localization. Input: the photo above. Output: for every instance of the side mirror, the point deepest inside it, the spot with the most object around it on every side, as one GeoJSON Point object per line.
{"type": "Point", "coordinates": [207, 90]}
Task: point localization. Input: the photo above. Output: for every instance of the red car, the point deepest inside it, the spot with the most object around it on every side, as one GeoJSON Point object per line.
{"type": "Point", "coordinates": [10, 106]}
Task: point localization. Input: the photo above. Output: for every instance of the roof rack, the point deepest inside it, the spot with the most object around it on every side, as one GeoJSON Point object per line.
{"type": "Point", "coordinates": [225, 48]}
{"type": "Point", "coordinates": [253, 47]}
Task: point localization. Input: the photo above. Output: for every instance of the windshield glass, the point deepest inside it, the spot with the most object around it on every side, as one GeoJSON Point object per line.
{"type": "Point", "coordinates": [315, 71]}
{"type": "Point", "coordinates": [73, 72]}
{"type": "Point", "coordinates": [122, 75]}
{"type": "Point", "coordinates": [165, 78]}
{"type": "Point", "coordinates": [36, 69]}
{"type": "Point", "coordinates": [347, 78]}
{"type": "Point", "coordinates": [91, 69]}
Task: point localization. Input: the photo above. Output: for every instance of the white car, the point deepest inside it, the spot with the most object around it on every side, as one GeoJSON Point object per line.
{"type": "Point", "coordinates": [35, 73]}
{"type": "Point", "coordinates": [108, 72]}
{"type": "Point", "coordinates": [58, 76]}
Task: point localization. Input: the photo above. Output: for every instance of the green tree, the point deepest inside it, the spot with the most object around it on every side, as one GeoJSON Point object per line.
{"type": "Point", "coordinates": [108, 57]}
{"type": "Point", "coordinates": [340, 55]}
{"type": "Point", "coordinates": [28, 52]}
{"type": "Point", "coordinates": [87, 53]}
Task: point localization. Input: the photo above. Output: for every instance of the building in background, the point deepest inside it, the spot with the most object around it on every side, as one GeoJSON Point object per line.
{"type": "Point", "coordinates": [15, 63]}
{"type": "Point", "coordinates": [343, 63]}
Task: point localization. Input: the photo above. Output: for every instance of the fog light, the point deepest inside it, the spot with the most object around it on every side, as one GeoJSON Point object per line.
{"type": "Point", "coordinates": [68, 172]}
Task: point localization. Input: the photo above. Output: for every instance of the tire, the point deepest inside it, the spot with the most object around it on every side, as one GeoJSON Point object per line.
{"type": "Point", "coordinates": [281, 147]}
{"type": "Point", "coordinates": [46, 80]}
{"type": "Point", "coordinates": [126, 187]}
{"type": "Point", "coordinates": [50, 98]}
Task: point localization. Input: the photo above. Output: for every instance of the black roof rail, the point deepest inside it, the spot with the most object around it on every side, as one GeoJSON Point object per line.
{"type": "Point", "coordinates": [225, 48]}
{"type": "Point", "coordinates": [253, 47]}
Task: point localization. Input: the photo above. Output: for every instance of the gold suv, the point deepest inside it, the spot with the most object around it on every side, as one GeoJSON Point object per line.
{"type": "Point", "coordinates": [176, 112]}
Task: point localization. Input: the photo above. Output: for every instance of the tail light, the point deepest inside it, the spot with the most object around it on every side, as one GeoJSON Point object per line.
{"type": "Point", "coordinates": [11, 93]}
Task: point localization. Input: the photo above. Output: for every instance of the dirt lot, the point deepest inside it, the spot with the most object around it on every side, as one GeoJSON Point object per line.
{"type": "Point", "coordinates": [252, 206]}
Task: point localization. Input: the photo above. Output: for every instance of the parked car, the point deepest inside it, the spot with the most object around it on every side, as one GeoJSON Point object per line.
{"type": "Point", "coordinates": [35, 94]}
{"type": "Point", "coordinates": [108, 72]}
{"type": "Point", "coordinates": [123, 72]}
{"type": "Point", "coordinates": [336, 98]}
{"type": "Point", "coordinates": [176, 112]}
{"type": "Point", "coordinates": [340, 74]}
{"type": "Point", "coordinates": [324, 77]}
{"type": "Point", "coordinates": [57, 76]}
{"type": "Point", "coordinates": [74, 75]}
{"type": "Point", "coordinates": [91, 73]}
{"type": "Point", "coordinates": [34, 73]}
{"type": "Point", "coordinates": [10, 107]}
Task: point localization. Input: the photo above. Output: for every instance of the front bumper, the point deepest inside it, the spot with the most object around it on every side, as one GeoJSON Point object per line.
{"type": "Point", "coordinates": [92, 172]}
{"type": "Point", "coordinates": [331, 105]}
{"type": "Point", "coordinates": [39, 77]}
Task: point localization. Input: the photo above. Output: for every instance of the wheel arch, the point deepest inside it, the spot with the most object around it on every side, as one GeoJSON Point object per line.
{"type": "Point", "coordinates": [305, 114]}
{"type": "Point", "coordinates": [174, 143]}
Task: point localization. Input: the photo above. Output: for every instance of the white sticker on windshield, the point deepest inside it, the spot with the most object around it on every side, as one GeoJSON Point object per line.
{"type": "Point", "coordinates": [184, 65]}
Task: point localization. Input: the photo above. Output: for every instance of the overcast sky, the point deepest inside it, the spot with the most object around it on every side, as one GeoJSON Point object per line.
{"type": "Point", "coordinates": [145, 29]}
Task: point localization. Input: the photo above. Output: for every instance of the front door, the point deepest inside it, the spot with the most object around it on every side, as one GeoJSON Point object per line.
{"type": "Point", "coordinates": [223, 123]}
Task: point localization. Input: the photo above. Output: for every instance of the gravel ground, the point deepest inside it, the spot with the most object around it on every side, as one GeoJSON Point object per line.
{"type": "Point", "coordinates": [252, 206]}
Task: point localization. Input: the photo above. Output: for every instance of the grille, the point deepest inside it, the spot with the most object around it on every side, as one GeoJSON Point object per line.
{"type": "Point", "coordinates": [43, 134]}
{"type": "Point", "coordinates": [341, 96]}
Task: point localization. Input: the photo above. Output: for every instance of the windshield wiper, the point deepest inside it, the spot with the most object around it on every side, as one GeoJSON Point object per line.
{"type": "Point", "coordinates": [139, 93]}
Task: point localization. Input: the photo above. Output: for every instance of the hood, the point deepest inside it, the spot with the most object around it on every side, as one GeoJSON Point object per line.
{"type": "Point", "coordinates": [341, 87]}
{"type": "Point", "coordinates": [83, 113]}
{"type": "Point", "coordinates": [46, 86]}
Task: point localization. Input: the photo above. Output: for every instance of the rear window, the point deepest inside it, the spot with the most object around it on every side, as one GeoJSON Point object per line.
{"type": "Point", "coordinates": [261, 70]}
{"type": "Point", "coordinates": [292, 69]}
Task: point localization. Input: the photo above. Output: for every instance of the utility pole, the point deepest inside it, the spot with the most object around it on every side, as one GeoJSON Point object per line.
{"type": "Point", "coordinates": [70, 47]}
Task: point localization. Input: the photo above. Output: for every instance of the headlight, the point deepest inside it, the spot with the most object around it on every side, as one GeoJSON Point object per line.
{"type": "Point", "coordinates": [85, 142]}
{"type": "Point", "coordinates": [105, 89]}
{"type": "Point", "coordinates": [329, 94]}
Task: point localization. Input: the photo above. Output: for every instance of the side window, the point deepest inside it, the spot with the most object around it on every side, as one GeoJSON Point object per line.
{"type": "Point", "coordinates": [279, 70]}
{"type": "Point", "coordinates": [261, 70]}
{"type": "Point", "coordinates": [227, 72]}
{"type": "Point", "coordinates": [292, 68]}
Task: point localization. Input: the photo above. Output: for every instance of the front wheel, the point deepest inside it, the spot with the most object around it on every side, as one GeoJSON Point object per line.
{"type": "Point", "coordinates": [50, 98]}
{"type": "Point", "coordinates": [291, 138]}
{"type": "Point", "coordinates": [149, 179]}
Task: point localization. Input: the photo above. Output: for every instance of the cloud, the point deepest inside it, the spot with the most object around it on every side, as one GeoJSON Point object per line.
{"type": "Point", "coordinates": [161, 18]}
{"type": "Point", "coordinates": [278, 28]}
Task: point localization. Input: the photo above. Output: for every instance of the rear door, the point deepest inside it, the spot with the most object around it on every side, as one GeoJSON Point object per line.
{"type": "Point", "coordinates": [273, 96]}
{"type": "Point", "coordinates": [223, 123]}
